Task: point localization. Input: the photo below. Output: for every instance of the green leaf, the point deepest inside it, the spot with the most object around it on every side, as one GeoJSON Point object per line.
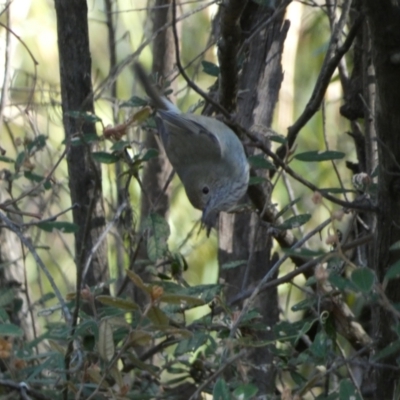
{"type": "Point", "coordinates": [84, 139]}
{"type": "Point", "coordinates": [335, 264]}
{"type": "Point", "coordinates": [191, 344]}
{"type": "Point", "coordinates": [179, 299]}
{"type": "Point", "coordinates": [295, 222]}
{"type": "Point", "coordinates": [245, 392]}
{"type": "Point", "coordinates": [66, 227]}
{"type": "Point", "coordinates": [150, 153]}
{"type": "Point", "coordinates": [260, 162]}
{"type": "Point", "coordinates": [363, 278]}
{"type": "Point", "coordinates": [317, 156]}
{"type": "Point", "coordinates": [375, 172]}
{"type": "Point", "coordinates": [332, 396]}
{"type": "Point", "coordinates": [278, 139]}
{"type": "Point", "coordinates": [105, 342]}
{"type": "Point", "coordinates": [347, 391]}
{"type": "Point", "coordinates": [233, 264]}
{"type": "Point", "coordinates": [393, 271]}
{"type": "Point", "coordinates": [135, 101]}
{"type": "Point", "coordinates": [320, 345]}
{"type": "Point", "coordinates": [159, 232]}
{"type": "Point", "coordinates": [221, 390]}
{"type": "Point", "coordinates": [206, 292]}
{"type": "Point", "coordinates": [341, 283]}
{"type": "Point", "coordinates": [121, 145]}
{"type": "Point", "coordinates": [290, 332]}
{"type": "Point", "coordinates": [395, 246]}
{"type": "Point", "coordinates": [124, 304]}
{"type": "Point", "coordinates": [38, 143]}
{"type": "Point", "coordinates": [10, 330]}
{"type": "Point", "coordinates": [6, 159]}
{"type": "Point", "coordinates": [86, 116]}
{"type": "Point", "coordinates": [210, 69]}
{"type": "Point", "coordinates": [256, 180]}
{"type": "Point", "coordinates": [392, 348]}
{"type": "Point", "coordinates": [304, 304]}
{"type": "Point", "coordinates": [46, 297]}
{"type": "Point", "coordinates": [287, 207]}
{"type": "Point", "coordinates": [297, 378]}
{"type": "Point", "coordinates": [6, 296]}
{"type": "Point", "coordinates": [37, 178]}
{"type": "Point", "coordinates": [157, 316]}
{"type": "Point", "coordinates": [104, 157]}
{"type": "Point", "coordinates": [19, 161]}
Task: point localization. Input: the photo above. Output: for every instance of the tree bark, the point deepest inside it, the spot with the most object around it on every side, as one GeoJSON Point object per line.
{"type": "Point", "coordinates": [84, 173]}
{"type": "Point", "coordinates": [243, 237]}
{"type": "Point", "coordinates": [384, 22]}
{"type": "Point", "coordinates": [156, 172]}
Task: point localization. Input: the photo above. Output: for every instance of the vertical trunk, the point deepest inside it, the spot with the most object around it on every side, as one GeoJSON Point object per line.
{"type": "Point", "coordinates": [157, 170]}
{"type": "Point", "coordinates": [84, 173]}
{"type": "Point", "coordinates": [242, 237]}
{"type": "Point", "coordinates": [384, 22]}
{"type": "Point", "coordinates": [154, 197]}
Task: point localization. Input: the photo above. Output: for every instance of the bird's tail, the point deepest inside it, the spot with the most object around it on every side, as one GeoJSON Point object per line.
{"type": "Point", "coordinates": [158, 101]}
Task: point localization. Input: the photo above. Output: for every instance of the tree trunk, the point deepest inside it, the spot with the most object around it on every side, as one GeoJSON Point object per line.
{"type": "Point", "coordinates": [243, 237]}
{"type": "Point", "coordinates": [155, 197]}
{"type": "Point", "coordinates": [384, 23]}
{"type": "Point", "coordinates": [84, 173]}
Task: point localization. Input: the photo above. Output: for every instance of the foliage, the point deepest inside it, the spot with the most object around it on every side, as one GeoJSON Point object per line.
{"type": "Point", "coordinates": [165, 330]}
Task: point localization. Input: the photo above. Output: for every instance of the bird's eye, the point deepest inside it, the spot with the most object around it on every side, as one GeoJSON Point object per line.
{"type": "Point", "coordinates": [205, 190]}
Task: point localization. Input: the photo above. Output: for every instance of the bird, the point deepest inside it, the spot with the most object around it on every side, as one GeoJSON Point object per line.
{"type": "Point", "coordinates": [206, 154]}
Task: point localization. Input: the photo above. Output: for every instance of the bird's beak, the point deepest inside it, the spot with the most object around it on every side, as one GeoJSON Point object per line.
{"type": "Point", "coordinates": [209, 219]}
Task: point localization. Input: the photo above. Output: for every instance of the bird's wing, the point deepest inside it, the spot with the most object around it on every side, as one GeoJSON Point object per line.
{"type": "Point", "coordinates": [189, 128]}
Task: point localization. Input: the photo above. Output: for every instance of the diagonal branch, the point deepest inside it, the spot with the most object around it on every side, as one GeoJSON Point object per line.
{"type": "Point", "coordinates": [319, 90]}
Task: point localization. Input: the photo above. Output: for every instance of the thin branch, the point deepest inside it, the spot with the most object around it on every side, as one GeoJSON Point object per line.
{"type": "Point", "coordinates": [324, 78]}
{"type": "Point", "coordinates": [115, 72]}
{"type": "Point", "coordinates": [356, 205]}
{"type": "Point", "coordinates": [35, 62]}
{"type": "Point", "coordinates": [101, 238]}
{"type": "Point", "coordinates": [305, 267]}
{"type": "Point", "coordinates": [216, 374]}
{"type": "Point", "coordinates": [182, 71]}
{"type": "Point", "coordinates": [34, 188]}
{"type": "Point", "coordinates": [23, 389]}
{"type": "Point", "coordinates": [39, 262]}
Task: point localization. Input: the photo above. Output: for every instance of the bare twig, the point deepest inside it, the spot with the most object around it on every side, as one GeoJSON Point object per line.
{"type": "Point", "coordinates": [101, 238]}
{"type": "Point", "coordinates": [348, 205]}
{"type": "Point", "coordinates": [35, 62]}
{"type": "Point", "coordinates": [23, 389]}
{"type": "Point", "coordinates": [39, 262]}
{"type": "Point", "coordinates": [312, 263]}
{"type": "Point", "coordinates": [329, 67]}
{"type": "Point", "coordinates": [190, 83]}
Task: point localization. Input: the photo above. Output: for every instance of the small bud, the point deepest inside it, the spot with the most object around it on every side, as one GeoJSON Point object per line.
{"type": "Point", "coordinates": [332, 239]}
{"type": "Point", "coordinates": [321, 274]}
{"type": "Point", "coordinates": [338, 214]}
{"type": "Point", "coordinates": [316, 198]}
{"type": "Point", "coordinates": [85, 293]}
{"type": "Point", "coordinates": [156, 292]}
